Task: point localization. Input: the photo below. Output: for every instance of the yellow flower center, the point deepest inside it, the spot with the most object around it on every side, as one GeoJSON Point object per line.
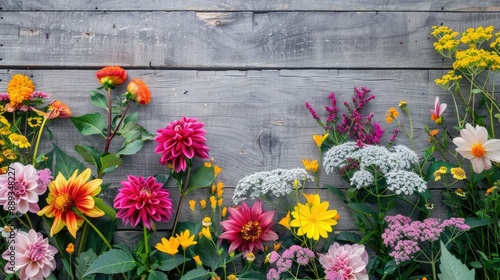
{"type": "Point", "coordinates": [63, 202]}
{"type": "Point", "coordinates": [251, 231]}
{"type": "Point", "coordinates": [477, 150]}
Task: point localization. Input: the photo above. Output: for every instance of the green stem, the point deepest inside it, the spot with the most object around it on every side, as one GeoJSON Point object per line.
{"type": "Point", "coordinates": [110, 113]}
{"type": "Point", "coordinates": [146, 245]}
{"type": "Point", "coordinates": [37, 144]}
{"type": "Point", "coordinates": [83, 239]}
{"type": "Point", "coordinates": [96, 230]}
{"type": "Point", "coordinates": [183, 195]}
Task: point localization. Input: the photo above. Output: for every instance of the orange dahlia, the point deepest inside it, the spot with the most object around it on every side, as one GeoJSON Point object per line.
{"type": "Point", "coordinates": [66, 196]}
{"type": "Point", "coordinates": [138, 91]}
{"type": "Point", "coordinates": [110, 76]}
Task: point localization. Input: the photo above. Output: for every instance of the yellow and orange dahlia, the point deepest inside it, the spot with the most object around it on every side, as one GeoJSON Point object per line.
{"type": "Point", "coordinates": [138, 91]}
{"type": "Point", "coordinates": [66, 196]}
{"type": "Point", "coordinates": [110, 76]}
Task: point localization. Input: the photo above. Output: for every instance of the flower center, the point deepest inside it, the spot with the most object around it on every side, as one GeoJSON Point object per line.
{"type": "Point", "coordinates": [251, 231]}
{"type": "Point", "coordinates": [145, 192]}
{"type": "Point", "coordinates": [37, 253]}
{"type": "Point", "coordinates": [477, 150]}
{"type": "Point", "coordinates": [20, 187]}
{"type": "Point", "coordinates": [63, 202]}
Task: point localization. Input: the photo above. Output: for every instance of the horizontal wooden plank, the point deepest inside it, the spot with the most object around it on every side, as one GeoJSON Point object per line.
{"type": "Point", "coordinates": [277, 5]}
{"type": "Point", "coordinates": [236, 40]}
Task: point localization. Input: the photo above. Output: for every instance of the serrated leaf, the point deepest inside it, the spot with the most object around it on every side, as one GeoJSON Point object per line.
{"type": "Point", "coordinates": [83, 262]}
{"type": "Point", "coordinates": [66, 164]}
{"type": "Point", "coordinates": [132, 131]}
{"type": "Point", "coordinates": [131, 148]}
{"type": "Point", "coordinates": [99, 100]}
{"type": "Point", "coordinates": [111, 262]}
{"type": "Point", "coordinates": [452, 268]}
{"type": "Point", "coordinates": [108, 210]}
{"type": "Point", "coordinates": [90, 124]}
{"type": "Point", "coordinates": [89, 154]}
{"type": "Point", "coordinates": [197, 274]}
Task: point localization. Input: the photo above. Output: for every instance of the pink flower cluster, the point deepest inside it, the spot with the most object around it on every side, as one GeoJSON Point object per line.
{"type": "Point", "coordinates": [405, 236]}
{"type": "Point", "coordinates": [354, 123]}
{"type": "Point", "coordinates": [284, 263]}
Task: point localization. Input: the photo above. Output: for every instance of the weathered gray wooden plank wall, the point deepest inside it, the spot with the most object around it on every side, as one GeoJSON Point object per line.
{"type": "Point", "coordinates": [245, 68]}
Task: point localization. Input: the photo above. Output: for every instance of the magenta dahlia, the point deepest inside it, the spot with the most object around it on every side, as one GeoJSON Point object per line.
{"type": "Point", "coordinates": [246, 228]}
{"type": "Point", "coordinates": [32, 255]}
{"type": "Point", "coordinates": [181, 140]}
{"type": "Point", "coordinates": [143, 200]}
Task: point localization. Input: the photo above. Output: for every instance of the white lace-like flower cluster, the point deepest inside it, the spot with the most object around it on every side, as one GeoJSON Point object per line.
{"type": "Point", "coordinates": [397, 165]}
{"type": "Point", "coordinates": [278, 182]}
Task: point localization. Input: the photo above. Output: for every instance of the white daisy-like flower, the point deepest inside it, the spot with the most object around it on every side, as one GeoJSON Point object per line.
{"type": "Point", "coordinates": [473, 144]}
{"type": "Point", "coordinates": [278, 182]}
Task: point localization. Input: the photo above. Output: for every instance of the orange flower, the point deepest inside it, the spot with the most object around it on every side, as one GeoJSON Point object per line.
{"type": "Point", "coordinates": [58, 109]}
{"type": "Point", "coordinates": [19, 89]}
{"type": "Point", "coordinates": [138, 91]}
{"type": "Point", "coordinates": [66, 195]}
{"type": "Point", "coordinates": [70, 248]}
{"type": "Point", "coordinates": [110, 76]}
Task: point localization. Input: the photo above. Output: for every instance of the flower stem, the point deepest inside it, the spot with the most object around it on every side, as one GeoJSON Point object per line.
{"type": "Point", "coordinates": [37, 144]}
{"type": "Point", "coordinates": [183, 195]}
{"type": "Point", "coordinates": [83, 239]}
{"type": "Point", "coordinates": [146, 245]}
{"type": "Point", "coordinates": [96, 230]}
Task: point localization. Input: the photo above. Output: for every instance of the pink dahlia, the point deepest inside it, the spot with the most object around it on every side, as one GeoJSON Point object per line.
{"type": "Point", "coordinates": [181, 140]}
{"type": "Point", "coordinates": [20, 188]}
{"type": "Point", "coordinates": [347, 260]}
{"type": "Point", "coordinates": [246, 229]}
{"type": "Point", "coordinates": [143, 200]}
{"type": "Point", "coordinates": [33, 256]}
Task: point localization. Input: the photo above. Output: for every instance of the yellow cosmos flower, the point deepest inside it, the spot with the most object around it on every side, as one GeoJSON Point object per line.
{"type": "Point", "coordinates": [19, 140]}
{"type": "Point", "coordinates": [186, 239]}
{"type": "Point", "coordinates": [314, 220]}
{"type": "Point", "coordinates": [169, 246]}
{"type": "Point", "coordinates": [205, 231]}
{"type": "Point", "coordinates": [19, 89]}
{"type": "Point", "coordinates": [310, 165]}
{"type": "Point", "coordinates": [458, 173]}
{"type": "Point", "coordinates": [66, 195]}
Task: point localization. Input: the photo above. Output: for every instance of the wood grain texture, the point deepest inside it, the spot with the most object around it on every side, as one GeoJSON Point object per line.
{"type": "Point", "coordinates": [227, 40]}
{"type": "Point", "coordinates": [253, 5]}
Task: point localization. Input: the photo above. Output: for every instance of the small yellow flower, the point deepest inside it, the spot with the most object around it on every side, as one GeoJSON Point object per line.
{"type": "Point", "coordinates": [203, 204]}
{"type": "Point", "coordinates": [220, 201]}
{"type": "Point", "coordinates": [319, 139]}
{"type": "Point", "coordinates": [391, 114]}
{"type": "Point", "coordinates": [217, 170]}
{"type": "Point", "coordinates": [19, 140]}
{"type": "Point", "coordinates": [186, 239]}
{"type": "Point", "coordinates": [232, 277]}
{"type": "Point", "coordinates": [169, 246]}
{"type": "Point", "coordinates": [441, 171]}
{"type": "Point", "coordinates": [205, 231]}
{"type": "Point", "coordinates": [35, 122]}
{"type": "Point", "coordinates": [458, 173]}
{"type": "Point", "coordinates": [460, 192]}
{"type": "Point", "coordinates": [285, 221]}
{"type": "Point", "coordinates": [70, 248]}
{"type": "Point", "coordinates": [192, 204]}
{"type": "Point", "coordinates": [197, 260]}
{"type": "Point", "coordinates": [206, 222]}
{"type": "Point", "coordinates": [250, 257]}
{"type": "Point", "coordinates": [220, 189]}
{"type": "Point", "coordinates": [490, 190]}
{"type": "Point", "coordinates": [276, 246]}
{"type": "Point", "coordinates": [402, 104]}
{"type": "Point", "coordinates": [429, 206]}
{"type": "Point", "coordinates": [9, 154]}
{"type": "Point", "coordinates": [310, 165]}
{"type": "Point", "coordinates": [224, 212]}
{"type": "Point", "coordinates": [213, 202]}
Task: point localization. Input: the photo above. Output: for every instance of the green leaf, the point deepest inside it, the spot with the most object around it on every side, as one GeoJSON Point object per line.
{"type": "Point", "coordinates": [336, 191]}
{"type": "Point", "coordinates": [157, 275]}
{"type": "Point", "coordinates": [98, 99]}
{"type": "Point", "coordinates": [108, 210]}
{"type": "Point", "coordinates": [90, 124]}
{"type": "Point", "coordinates": [65, 164]}
{"type": "Point", "coordinates": [202, 177]}
{"type": "Point", "coordinates": [89, 154]}
{"type": "Point", "coordinates": [108, 163]}
{"type": "Point", "coordinates": [111, 262]}
{"type": "Point", "coordinates": [362, 209]}
{"type": "Point", "coordinates": [107, 229]}
{"type": "Point", "coordinates": [208, 253]}
{"type": "Point", "coordinates": [167, 262]}
{"type": "Point", "coordinates": [452, 268]}
{"type": "Point", "coordinates": [197, 274]}
{"type": "Point", "coordinates": [131, 148]}
{"type": "Point", "coordinates": [433, 167]}
{"type": "Point", "coordinates": [251, 275]}
{"type": "Point", "coordinates": [132, 131]}
{"type": "Point", "coordinates": [349, 237]}
{"type": "Point", "coordinates": [83, 262]}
